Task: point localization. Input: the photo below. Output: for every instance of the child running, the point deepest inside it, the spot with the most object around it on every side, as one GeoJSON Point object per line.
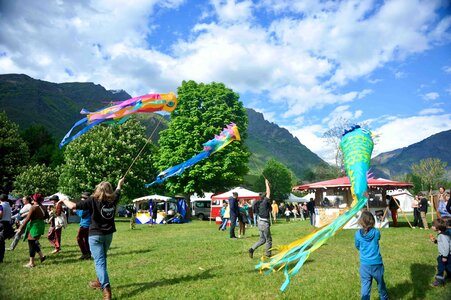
{"type": "Point", "coordinates": [371, 265]}
{"type": "Point", "coordinates": [443, 242]}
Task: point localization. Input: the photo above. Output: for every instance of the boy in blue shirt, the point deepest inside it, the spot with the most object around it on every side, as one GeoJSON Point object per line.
{"type": "Point", "coordinates": [371, 265]}
{"type": "Point", "coordinates": [83, 231]}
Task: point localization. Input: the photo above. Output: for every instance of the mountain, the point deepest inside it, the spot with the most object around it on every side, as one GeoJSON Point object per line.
{"type": "Point", "coordinates": [399, 161]}
{"type": "Point", "coordinates": [57, 106]}
{"type": "Point", "coordinates": [266, 140]}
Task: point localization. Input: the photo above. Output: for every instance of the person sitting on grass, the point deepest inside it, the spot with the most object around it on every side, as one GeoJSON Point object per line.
{"type": "Point", "coordinates": [371, 265]}
{"type": "Point", "coordinates": [102, 206]}
{"type": "Point", "coordinates": [33, 227]}
{"type": "Point", "coordinates": [443, 242]}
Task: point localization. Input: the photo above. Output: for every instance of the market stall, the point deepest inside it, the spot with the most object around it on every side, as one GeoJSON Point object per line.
{"type": "Point", "coordinates": [147, 209]}
{"type": "Point", "coordinates": [333, 198]}
{"type": "Point", "coordinates": [218, 200]}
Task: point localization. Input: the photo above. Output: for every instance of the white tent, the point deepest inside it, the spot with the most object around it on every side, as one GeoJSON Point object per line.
{"type": "Point", "coordinates": [306, 198]}
{"type": "Point", "coordinates": [404, 198]}
{"type": "Point", "coordinates": [151, 197]}
{"type": "Point", "coordinates": [242, 194]}
{"type": "Point", "coordinates": [196, 197]}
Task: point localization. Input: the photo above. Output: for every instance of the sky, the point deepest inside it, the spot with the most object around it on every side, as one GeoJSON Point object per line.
{"type": "Point", "coordinates": [303, 64]}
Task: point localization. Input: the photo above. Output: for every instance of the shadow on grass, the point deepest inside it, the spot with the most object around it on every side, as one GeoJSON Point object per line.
{"type": "Point", "coordinates": [62, 258]}
{"type": "Point", "coordinates": [421, 276]}
{"type": "Point", "coordinates": [139, 287]}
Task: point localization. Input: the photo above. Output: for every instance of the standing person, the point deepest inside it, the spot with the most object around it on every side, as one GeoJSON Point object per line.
{"type": "Point", "coordinates": [295, 212]}
{"type": "Point", "coordinates": [393, 205]}
{"type": "Point", "coordinates": [416, 212]}
{"type": "Point", "coordinates": [234, 213]}
{"type": "Point", "coordinates": [371, 265]}
{"type": "Point", "coordinates": [33, 227]}
{"type": "Point", "coordinates": [442, 202]}
{"type": "Point", "coordinates": [23, 212]}
{"type": "Point", "coordinates": [226, 216]}
{"type": "Point", "coordinates": [254, 215]}
{"type": "Point", "coordinates": [83, 231]}
{"type": "Point", "coordinates": [311, 211]}
{"type": "Point", "coordinates": [57, 222]}
{"type": "Point", "coordinates": [102, 206]}
{"type": "Point", "coordinates": [304, 210]}
{"type": "Point", "coordinates": [448, 205]}
{"type": "Point", "coordinates": [301, 211]}
{"type": "Point", "coordinates": [221, 214]}
{"type": "Point", "coordinates": [443, 242]}
{"type": "Point", "coordinates": [6, 229]}
{"type": "Point", "coordinates": [263, 209]}
{"type": "Point", "coordinates": [423, 208]}
{"type": "Point", "coordinates": [274, 210]}
{"type": "Point", "coordinates": [287, 214]}
{"type": "Point", "coordinates": [242, 218]}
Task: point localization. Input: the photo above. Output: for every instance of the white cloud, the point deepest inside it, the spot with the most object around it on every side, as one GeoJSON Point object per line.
{"type": "Point", "coordinates": [431, 111]}
{"type": "Point", "coordinates": [403, 132]}
{"type": "Point", "coordinates": [447, 69]}
{"type": "Point", "coordinates": [230, 11]}
{"type": "Point", "coordinates": [431, 96]}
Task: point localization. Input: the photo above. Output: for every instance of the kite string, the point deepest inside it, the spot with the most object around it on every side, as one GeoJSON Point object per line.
{"type": "Point", "coordinates": [142, 149]}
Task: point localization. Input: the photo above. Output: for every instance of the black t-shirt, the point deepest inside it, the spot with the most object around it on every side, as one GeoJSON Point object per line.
{"type": "Point", "coordinates": [423, 205]}
{"type": "Point", "coordinates": [311, 206]}
{"type": "Point", "coordinates": [102, 214]}
{"type": "Point", "coordinates": [262, 208]}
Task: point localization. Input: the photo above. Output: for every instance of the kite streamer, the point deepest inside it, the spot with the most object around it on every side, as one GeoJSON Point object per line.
{"type": "Point", "coordinates": [228, 135]}
{"type": "Point", "coordinates": [357, 146]}
{"type": "Point", "coordinates": [121, 111]}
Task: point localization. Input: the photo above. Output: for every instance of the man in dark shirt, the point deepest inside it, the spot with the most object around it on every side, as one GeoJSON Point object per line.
{"type": "Point", "coordinates": [234, 213]}
{"type": "Point", "coordinates": [311, 211]}
{"type": "Point", "coordinates": [423, 208]}
{"type": "Point", "coordinates": [393, 205]}
{"type": "Point", "coordinates": [263, 210]}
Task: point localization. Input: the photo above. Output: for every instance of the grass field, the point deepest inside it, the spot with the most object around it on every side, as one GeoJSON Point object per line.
{"type": "Point", "coordinates": [196, 261]}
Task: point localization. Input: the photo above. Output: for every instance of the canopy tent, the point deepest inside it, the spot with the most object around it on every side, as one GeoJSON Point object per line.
{"type": "Point", "coordinates": [344, 182]}
{"type": "Point", "coordinates": [404, 198]}
{"type": "Point", "coordinates": [151, 197]}
{"type": "Point", "coordinates": [242, 194]}
{"type": "Point", "coordinates": [48, 202]}
{"type": "Point", "coordinates": [293, 198]}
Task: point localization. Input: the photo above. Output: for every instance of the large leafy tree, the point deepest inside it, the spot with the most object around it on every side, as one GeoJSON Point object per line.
{"type": "Point", "coordinates": [36, 179]}
{"type": "Point", "coordinates": [280, 179]}
{"type": "Point", "coordinates": [430, 171]}
{"type": "Point", "coordinates": [104, 154]}
{"type": "Point", "coordinates": [203, 110]}
{"type": "Point", "coordinates": [42, 146]}
{"type": "Point", "coordinates": [13, 152]}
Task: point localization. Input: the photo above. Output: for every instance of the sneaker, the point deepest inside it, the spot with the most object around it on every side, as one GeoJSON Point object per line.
{"type": "Point", "coordinates": [251, 252]}
{"type": "Point", "coordinates": [95, 284]}
{"type": "Point", "coordinates": [42, 259]}
{"type": "Point", "coordinates": [438, 282]}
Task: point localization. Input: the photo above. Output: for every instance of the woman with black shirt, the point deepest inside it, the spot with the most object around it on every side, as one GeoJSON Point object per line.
{"type": "Point", "coordinates": [102, 206]}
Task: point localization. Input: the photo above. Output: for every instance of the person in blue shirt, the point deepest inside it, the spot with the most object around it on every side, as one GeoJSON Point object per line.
{"type": "Point", "coordinates": [371, 265]}
{"type": "Point", "coordinates": [83, 231]}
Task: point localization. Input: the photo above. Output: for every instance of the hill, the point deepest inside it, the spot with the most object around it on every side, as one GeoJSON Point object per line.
{"type": "Point", "coordinates": [57, 106]}
{"type": "Point", "coordinates": [399, 161]}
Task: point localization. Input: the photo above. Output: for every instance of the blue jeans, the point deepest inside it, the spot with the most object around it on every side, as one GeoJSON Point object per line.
{"type": "Point", "coordinates": [442, 267]}
{"type": "Point", "coordinates": [224, 223]}
{"type": "Point", "coordinates": [255, 219]}
{"type": "Point", "coordinates": [233, 219]}
{"type": "Point", "coordinates": [367, 273]}
{"type": "Point", "coordinates": [99, 245]}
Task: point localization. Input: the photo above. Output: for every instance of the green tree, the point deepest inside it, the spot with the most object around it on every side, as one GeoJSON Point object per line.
{"type": "Point", "coordinates": [42, 146]}
{"type": "Point", "coordinates": [203, 110]}
{"type": "Point", "coordinates": [13, 152]}
{"type": "Point", "coordinates": [36, 179]}
{"type": "Point", "coordinates": [104, 154]}
{"type": "Point", "coordinates": [430, 171]}
{"type": "Point", "coordinates": [280, 179]}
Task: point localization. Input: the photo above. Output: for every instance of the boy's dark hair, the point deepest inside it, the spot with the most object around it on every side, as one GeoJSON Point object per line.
{"type": "Point", "coordinates": [440, 224]}
{"type": "Point", "coordinates": [366, 220]}
{"type": "Point", "coordinates": [447, 221]}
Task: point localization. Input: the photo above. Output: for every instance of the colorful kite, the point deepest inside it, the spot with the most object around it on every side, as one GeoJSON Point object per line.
{"type": "Point", "coordinates": [357, 146]}
{"type": "Point", "coordinates": [228, 135]}
{"type": "Point", "coordinates": [121, 111]}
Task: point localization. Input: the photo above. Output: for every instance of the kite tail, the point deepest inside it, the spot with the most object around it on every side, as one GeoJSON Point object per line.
{"type": "Point", "coordinates": [357, 146]}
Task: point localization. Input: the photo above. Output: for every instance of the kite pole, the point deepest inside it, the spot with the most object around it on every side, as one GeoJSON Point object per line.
{"type": "Point", "coordinates": [142, 149]}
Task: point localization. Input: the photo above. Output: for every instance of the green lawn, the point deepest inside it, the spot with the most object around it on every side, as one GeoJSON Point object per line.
{"type": "Point", "coordinates": [196, 261]}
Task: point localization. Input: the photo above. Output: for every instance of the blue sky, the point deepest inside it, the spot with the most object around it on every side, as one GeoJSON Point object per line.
{"type": "Point", "coordinates": [303, 64]}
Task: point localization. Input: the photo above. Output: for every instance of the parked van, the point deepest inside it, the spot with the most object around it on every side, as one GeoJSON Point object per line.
{"type": "Point", "coordinates": [201, 209]}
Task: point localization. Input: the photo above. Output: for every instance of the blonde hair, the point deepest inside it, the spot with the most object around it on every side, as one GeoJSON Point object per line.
{"type": "Point", "coordinates": [103, 191]}
{"type": "Point", "coordinates": [366, 221]}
